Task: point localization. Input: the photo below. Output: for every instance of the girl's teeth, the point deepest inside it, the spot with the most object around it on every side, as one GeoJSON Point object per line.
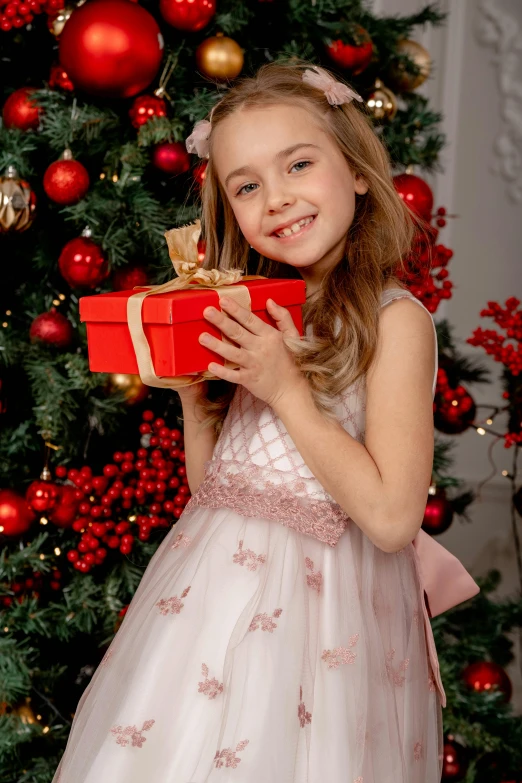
{"type": "Point", "coordinates": [286, 232]}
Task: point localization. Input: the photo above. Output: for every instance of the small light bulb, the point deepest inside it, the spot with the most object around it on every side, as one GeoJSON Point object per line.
{"type": "Point", "coordinates": [57, 550]}
{"type": "Point", "coordinates": [481, 430]}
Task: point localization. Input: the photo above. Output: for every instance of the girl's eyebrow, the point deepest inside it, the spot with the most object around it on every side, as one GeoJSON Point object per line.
{"type": "Point", "coordinates": [280, 155]}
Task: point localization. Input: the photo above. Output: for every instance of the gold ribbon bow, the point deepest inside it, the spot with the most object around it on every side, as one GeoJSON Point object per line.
{"type": "Point", "coordinates": [183, 251]}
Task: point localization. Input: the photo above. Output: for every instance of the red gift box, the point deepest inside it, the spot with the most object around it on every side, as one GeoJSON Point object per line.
{"type": "Point", "coordinates": [172, 323]}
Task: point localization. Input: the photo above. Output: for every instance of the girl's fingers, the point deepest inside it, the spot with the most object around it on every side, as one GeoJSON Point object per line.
{"type": "Point", "coordinates": [245, 317]}
{"type": "Point", "coordinates": [282, 318]}
{"type": "Point", "coordinates": [224, 349]}
{"type": "Point", "coordinates": [228, 326]}
{"type": "Point", "coordinates": [226, 373]}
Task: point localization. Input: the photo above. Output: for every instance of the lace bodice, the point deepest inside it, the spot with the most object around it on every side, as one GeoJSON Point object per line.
{"type": "Point", "coordinates": [257, 468]}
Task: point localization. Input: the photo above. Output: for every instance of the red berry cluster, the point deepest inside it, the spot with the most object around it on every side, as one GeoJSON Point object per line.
{"type": "Point", "coordinates": [31, 585]}
{"type": "Point", "coordinates": [426, 273]}
{"type": "Point", "coordinates": [510, 319]}
{"type": "Point", "coordinates": [16, 13]}
{"type": "Point", "coordinates": [157, 479]}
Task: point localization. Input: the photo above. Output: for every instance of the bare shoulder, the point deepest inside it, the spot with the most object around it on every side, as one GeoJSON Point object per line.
{"type": "Point", "coordinates": [405, 341]}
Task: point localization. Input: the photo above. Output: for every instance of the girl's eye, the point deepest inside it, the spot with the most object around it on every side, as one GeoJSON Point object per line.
{"type": "Point", "coordinates": [299, 163]}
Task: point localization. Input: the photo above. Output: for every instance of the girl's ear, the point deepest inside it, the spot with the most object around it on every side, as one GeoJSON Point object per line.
{"type": "Point", "coordinates": [360, 185]}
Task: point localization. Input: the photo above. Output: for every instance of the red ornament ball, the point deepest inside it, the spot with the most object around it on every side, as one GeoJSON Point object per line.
{"type": "Point", "coordinates": [111, 48]}
{"type": "Point", "coordinates": [130, 276]}
{"type": "Point", "coordinates": [82, 263]}
{"type": "Point", "coordinates": [66, 181]}
{"type": "Point", "coordinates": [66, 509]}
{"type": "Point", "coordinates": [42, 496]}
{"type": "Point", "coordinates": [354, 57]}
{"type": "Point", "coordinates": [145, 107]}
{"type": "Point", "coordinates": [171, 157]}
{"type": "Point", "coordinates": [20, 111]}
{"type": "Point", "coordinates": [487, 676]}
{"type": "Point", "coordinates": [416, 194]}
{"type": "Point", "coordinates": [438, 515]}
{"type": "Point", "coordinates": [52, 328]}
{"type": "Point", "coordinates": [454, 761]}
{"type": "Point", "coordinates": [190, 15]}
{"type": "Point", "coordinates": [16, 516]}
{"type": "Point", "coordinates": [59, 78]}
{"type": "Point", "coordinates": [455, 411]}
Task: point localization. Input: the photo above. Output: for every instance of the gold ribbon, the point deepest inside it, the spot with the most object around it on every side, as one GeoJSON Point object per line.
{"type": "Point", "coordinates": [183, 250]}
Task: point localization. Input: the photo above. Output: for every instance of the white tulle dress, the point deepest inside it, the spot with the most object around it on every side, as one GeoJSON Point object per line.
{"type": "Point", "coordinates": [269, 641]}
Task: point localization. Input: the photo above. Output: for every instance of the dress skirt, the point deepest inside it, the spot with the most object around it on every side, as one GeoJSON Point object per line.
{"type": "Point", "coordinates": [252, 653]}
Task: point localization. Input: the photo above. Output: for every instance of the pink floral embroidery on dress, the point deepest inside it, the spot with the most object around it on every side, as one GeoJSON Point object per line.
{"type": "Point", "coordinates": [339, 655]}
{"type": "Point", "coordinates": [358, 780]}
{"type": "Point", "coordinates": [304, 716]}
{"type": "Point", "coordinates": [315, 579]}
{"type": "Point", "coordinates": [266, 622]}
{"type": "Point", "coordinates": [397, 676]}
{"type": "Point", "coordinates": [227, 757]}
{"type": "Point", "coordinates": [131, 732]}
{"type": "Point", "coordinates": [417, 751]}
{"type": "Point", "coordinates": [210, 687]}
{"type": "Point", "coordinates": [248, 557]}
{"type": "Point", "coordinates": [181, 540]}
{"type": "Point", "coordinates": [174, 604]}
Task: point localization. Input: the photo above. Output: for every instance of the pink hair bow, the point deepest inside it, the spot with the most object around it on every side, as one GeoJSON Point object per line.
{"type": "Point", "coordinates": [336, 92]}
{"type": "Point", "coordinates": [199, 139]}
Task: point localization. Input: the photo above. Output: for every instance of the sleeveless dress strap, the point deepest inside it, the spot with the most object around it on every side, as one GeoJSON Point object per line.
{"type": "Point", "coordinates": [389, 295]}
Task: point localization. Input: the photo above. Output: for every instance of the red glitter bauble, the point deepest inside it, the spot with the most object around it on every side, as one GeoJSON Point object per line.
{"type": "Point", "coordinates": [487, 676]}
{"type": "Point", "coordinates": [171, 157]}
{"type": "Point", "coordinates": [16, 516]}
{"type": "Point", "coordinates": [190, 15]}
{"type": "Point", "coordinates": [354, 57]}
{"type": "Point", "coordinates": [66, 509]}
{"type": "Point", "coordinates": [83, 264]}
{"type": "Point", "coordinates": [130, 276]}
{"type": "Point", "coordinates": [20, 111]}
{"type": "Point", "coordinates": [66, 181]}
{"type": "Point", "coordinates": [52, 328]}
{"type": "Point", "coordinates": [416, 194]}
{"type": "Point", "coordinates": [60, 78]}
{"type": "Point", "coordinates": [438, 515]}
{"type": "Point", "coordinates": [42, 496]}
{"type": "Point", "coordinates": [111, 48]}
{"type": "Point", "coordinates": [145, 107]}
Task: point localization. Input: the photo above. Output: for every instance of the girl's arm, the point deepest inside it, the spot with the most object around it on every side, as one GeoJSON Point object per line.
{"type": "Point", "coordinates": [383, 485]}
{"type": "Point", "coordinates": [199, 443]}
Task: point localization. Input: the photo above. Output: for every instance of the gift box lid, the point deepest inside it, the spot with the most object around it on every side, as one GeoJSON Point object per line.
{"type": "Point", "coordinates": [181, 306]}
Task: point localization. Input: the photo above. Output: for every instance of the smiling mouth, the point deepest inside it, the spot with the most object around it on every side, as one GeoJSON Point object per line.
{"type": "Point", "coordinates": [296, 229]}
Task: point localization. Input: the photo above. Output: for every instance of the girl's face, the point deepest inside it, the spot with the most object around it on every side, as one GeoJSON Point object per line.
{"type": "Point", "coordinates": [278, 167]}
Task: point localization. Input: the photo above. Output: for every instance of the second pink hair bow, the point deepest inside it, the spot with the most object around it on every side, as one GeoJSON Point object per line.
{"type": "Point", "coordinates": [199, 139]}
{"type": "Point", "coordinates": [336, 92]}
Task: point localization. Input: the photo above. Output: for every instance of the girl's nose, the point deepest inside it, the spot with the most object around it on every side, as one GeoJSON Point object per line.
{"type": "Point", "coordinates": [278, 200]}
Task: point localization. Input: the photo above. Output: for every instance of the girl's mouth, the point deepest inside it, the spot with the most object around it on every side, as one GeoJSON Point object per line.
{"type": "Point", "coordinates": [293, 232]}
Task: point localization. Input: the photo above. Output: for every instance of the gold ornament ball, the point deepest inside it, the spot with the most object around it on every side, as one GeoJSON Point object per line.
{"type": "Point", "coordinates": [219, 58]}
{"type": "Point", "coordinates": [396, 74]}
{"type": "Point", "coordinates": [17, 203]}
{"type": "Point", "coordinates": [382, 103]}
{"type": "Point", "coordinates": [132, 386]}
{"type": "Point", "coordinates": [25, 713]}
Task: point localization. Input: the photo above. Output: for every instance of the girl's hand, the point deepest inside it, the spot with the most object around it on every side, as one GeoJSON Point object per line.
{"type": "Point", "coordinates": [266, 366]}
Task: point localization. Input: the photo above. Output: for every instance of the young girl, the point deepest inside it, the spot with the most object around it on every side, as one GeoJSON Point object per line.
{"type": "Point", "coordinates": [280, 632]}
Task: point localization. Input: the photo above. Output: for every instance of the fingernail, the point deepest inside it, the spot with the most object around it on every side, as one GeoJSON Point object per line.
{"type": "Point", "coordinates": [209, 312]}
{"type": "Point", "coordinates": [224, 300]}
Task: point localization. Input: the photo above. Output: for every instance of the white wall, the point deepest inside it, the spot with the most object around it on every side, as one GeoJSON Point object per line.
{"type": "Point", "coordinates": [477, 84]}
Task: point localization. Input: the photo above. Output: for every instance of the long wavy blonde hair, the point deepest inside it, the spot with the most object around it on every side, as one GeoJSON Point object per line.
{"type": "Point", "coordinates": [343, 314]}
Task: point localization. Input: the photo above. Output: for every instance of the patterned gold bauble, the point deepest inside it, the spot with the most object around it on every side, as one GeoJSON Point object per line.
{"type": "Point", "coordinates": [132, 387]}
{"type": "Point", "coordinates": [17, 203]}
{"type": "Point", "coordinates": [382, 103]}
{"type": "Point", "coordinates": [396, 75]}
{"type": "Point", "coordinates": [219, 58]}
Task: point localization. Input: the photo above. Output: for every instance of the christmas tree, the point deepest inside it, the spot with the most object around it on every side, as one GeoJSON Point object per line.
{"type": "Point", "coordinates": [93, 171]}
